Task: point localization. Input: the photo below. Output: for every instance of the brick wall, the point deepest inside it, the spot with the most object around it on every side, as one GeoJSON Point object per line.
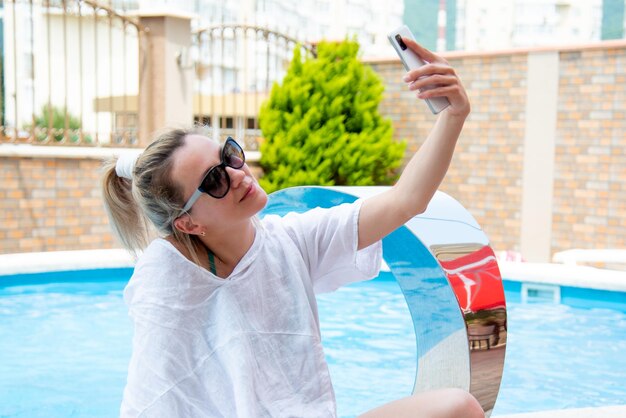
{"type": "Point", "coordinates": [54, 203]}
{"type": "Point", "coordinates": [486, 171]}
{"type": "Point", "coordinates": [590, 160]}
{"type": "Point", "coordinates": [51, 204]}
{"type": "Point", "coordinates": [589, 190]}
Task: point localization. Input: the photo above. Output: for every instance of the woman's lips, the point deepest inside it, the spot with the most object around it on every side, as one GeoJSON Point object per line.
{"type": "Point", "coordinates": [249, 192]}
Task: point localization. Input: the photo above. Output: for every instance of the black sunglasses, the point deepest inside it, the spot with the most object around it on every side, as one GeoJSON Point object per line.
{"type": "Point", "coordinates": [216, 182]}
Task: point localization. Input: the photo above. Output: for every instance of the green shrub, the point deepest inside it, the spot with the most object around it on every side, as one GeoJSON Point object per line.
{"type": "Point", "coordinates": [321, 126]}
{"type": "Point", "coordinates": [57, 115]}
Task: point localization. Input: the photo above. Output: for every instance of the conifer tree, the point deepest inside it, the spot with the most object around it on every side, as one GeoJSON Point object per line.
{"type": "Point", "coordinates": [321, 126]}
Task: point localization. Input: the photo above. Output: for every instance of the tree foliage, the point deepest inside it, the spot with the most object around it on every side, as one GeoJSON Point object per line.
{"type": "Point", "coordinates": [321, 126]}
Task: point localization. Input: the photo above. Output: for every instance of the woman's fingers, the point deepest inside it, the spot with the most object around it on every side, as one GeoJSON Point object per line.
{"type": "Point", "coordinates": [440, 80]}
{"type": "Point", "coordinates": [459, 104]}
{"type": "Point", "coordinates": [428, 70]}
{"type": "Point", "coordinates": [432, 81]}
{"type": "Point", "coordinates": [438, 91]}
{"type": "Point", "coordinates": [422, 52]}
{"type": "Point", "coordinates": [436, 79]}
{"type": "Point", "coordinates": [454, 92]}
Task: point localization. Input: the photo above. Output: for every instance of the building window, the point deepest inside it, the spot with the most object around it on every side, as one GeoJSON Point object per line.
{"type": "Point", "coordinates": [226, 122]}
{"type": "Point", "coordinates": [204, 120]}
{"type": "Point", "coordinates": [251, 123]}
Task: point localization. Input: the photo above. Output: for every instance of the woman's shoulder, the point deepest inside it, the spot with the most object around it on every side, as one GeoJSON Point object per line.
{"type": "Point", "coordinates": [159, 263]}
{"type": "Point", "coordinates": [161, 252]}
{"type": "Point", "coordinates": [163, 280]}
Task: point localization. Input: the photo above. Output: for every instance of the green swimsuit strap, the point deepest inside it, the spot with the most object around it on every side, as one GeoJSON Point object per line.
{"type": "Point", "coordinates": [212, 262]}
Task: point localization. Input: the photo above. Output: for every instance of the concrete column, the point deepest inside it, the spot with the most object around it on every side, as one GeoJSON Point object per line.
{"type": "Point", "coordinates": [539, 139]}
{"type": "Point", "coordinates": [166, 74]}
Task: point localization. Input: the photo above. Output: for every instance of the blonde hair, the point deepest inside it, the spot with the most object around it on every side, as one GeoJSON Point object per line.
{"type": "Point", "coordinates": [147, 206]}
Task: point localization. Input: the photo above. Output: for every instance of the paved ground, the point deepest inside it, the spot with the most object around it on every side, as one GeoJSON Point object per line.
{"type": "Point", "coordinates": [618, 411]}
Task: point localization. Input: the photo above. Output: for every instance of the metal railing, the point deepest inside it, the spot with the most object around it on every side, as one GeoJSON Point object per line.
{"type": "Point", "coordinates": [236, 66]}
{"type": "Point", "coordinates": [70, 74]}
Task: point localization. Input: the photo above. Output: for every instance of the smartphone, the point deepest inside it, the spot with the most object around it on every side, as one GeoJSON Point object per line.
{"type": "Point", "coordinates": [412, 61]}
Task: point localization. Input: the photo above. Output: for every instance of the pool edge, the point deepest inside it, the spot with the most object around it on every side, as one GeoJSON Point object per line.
{"type": "Point", "coordinates": [545, 273]}
{"type": "Point", "coordinates": [50, 261]}
{"type": "Point", "coordinates": [564, 275]}
{"type": "Point", "coordinates": [613, 411]}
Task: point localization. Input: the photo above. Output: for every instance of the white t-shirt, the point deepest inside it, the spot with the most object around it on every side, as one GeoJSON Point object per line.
{"type": "Point", "coordinates": [248, 345]}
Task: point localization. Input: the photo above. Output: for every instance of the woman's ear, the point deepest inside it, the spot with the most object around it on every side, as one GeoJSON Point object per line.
{"type": "Point", "coordinates": [185, 224]}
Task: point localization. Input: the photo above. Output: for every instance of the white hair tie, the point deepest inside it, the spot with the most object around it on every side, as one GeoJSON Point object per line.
{"type": "Point", "coordinates": [126, 164]}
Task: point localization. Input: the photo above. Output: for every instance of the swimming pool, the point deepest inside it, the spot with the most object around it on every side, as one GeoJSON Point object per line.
{"type": "Point", "coordinates": [65, 346]}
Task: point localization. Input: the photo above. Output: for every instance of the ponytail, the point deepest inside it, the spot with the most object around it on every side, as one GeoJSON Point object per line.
{"type": "Point", "coordinates": [125, 215]}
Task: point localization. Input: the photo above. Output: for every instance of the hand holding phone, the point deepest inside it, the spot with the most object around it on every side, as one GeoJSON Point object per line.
{"type": "Point", "coordinates": [412, 61]}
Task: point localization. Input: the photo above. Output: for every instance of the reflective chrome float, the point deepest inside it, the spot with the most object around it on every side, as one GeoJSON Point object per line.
{"type": "Point", "coordinates": [450, 279]}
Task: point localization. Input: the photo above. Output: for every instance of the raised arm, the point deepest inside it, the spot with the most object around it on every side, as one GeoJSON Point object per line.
{"type": "Point", "coordinates": [383, 213]}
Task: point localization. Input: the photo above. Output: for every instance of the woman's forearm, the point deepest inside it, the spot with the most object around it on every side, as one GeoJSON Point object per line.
{"type": "Point", "coordinates": [383, 213]}
{"type": "Point", "coordinates": [427, 168]}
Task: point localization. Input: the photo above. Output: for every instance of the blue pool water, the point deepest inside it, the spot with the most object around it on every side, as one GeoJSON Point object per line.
{"type": "Point", "coordinates": [65, 347]}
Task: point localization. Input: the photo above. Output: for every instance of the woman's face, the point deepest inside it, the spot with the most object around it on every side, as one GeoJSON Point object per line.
{"type": "Point", "coordinates": [244, 199]}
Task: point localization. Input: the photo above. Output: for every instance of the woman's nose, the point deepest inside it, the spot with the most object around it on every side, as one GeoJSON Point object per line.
{"type": "Point", "coordinates": [236, 176]}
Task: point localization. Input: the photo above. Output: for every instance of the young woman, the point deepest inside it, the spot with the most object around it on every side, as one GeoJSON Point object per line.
{"type": "Point", "coordinates": [224, 305]}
